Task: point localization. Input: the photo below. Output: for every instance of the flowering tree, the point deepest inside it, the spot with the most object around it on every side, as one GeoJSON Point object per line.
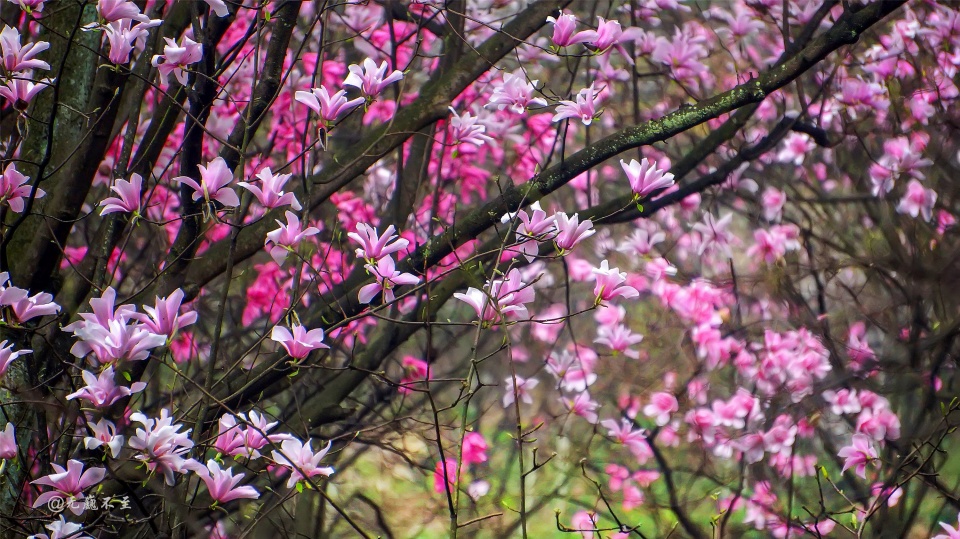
{"type": "Point", "coordinates": [460, 267]}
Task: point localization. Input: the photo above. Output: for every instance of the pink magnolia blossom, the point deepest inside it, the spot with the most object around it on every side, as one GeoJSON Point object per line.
{"type": "Point", "coordinates": [584, 108]}
{"type": "Point", "coordinates": [254, 437]}
{"type": "Point", "coordinates": [466, 129]}
{"type": "Point", "coordinates": [271, 194]}
{"type": "Point", "coordinates": [386, 278]}
{"type": "Point", "coordinates": [68, 484]}
{"type": "Point", "coordinates": [625, 433]}
{"type": "Point", "coordinates": [219, 7]}
{"type": "Point", "coordinates": [30, 6]}
{"type": "Point", "coordinates": [328, 107]}
{"type": "Point", "coordinates": [582, 405]}
{"type": "Point", "coordinates": [164, 317]}
{"type": "Point", "coordinates": [17, 58]}
{"type": "Point", "coordinates": [162, 446]}
{"type": "Point", "coordinates": [533, 228]}
{"type": "Point", "coordinates": [7, 355]}
{"type": "Point", "coordinates": [14, 188]}
{"type": "Point", "coordinates": [370, 79]}
{"type": "Point", "coordinates": [222, 484]}
{"type": "Point", "coordinates": [300, 459]}
{"type": "Point", "coordinates": [619, 339]}
{"type": "Point", "coordinates": [61, 529]}
{"type": "Point", "coordinates": [516, 93]}
{"type": "Point", "coordinates": [129, 197]}
{"type": "Point", "coordinates": [176, 58]}
{"type": "Point", "coordinates": [374, 246]}
{"type": "Point", "coordinates": [285, 239]}
{"type": "Point", "coordinates": [610, 284]}
{"type": "Point", "coordinates": [115, 10]}
{"type": "Point", "coordinates": [858, 454]}
{"type": "Point", "coordinates": [918, 201]}
{"type": "Point", "coordinates": [104, 434]}
{"type": "Point", "coordinates": [8, 442]}
{"type": "Point", "coordinates": [518, 388]}
{"type": "Point", "coordinates": [714, 234]}
{"type": "Point", "coordinates": [445, 475]}
{"type": "Point", "coordinates": [645, 177]}
{"type": "Point", "coordinates": [773, 200]}
{"type": "Point", "coordinates": [415, 370]}
{"type": "Point", "coordinates": [474, 448]}
{"type": "Point", "coordinates": [102, 391]}
{"type": "Point", "coordinates": [509, 296]}
{"type": "Point", "coordinates": [952, 533]}
{"type": "Point", "coordinates": [570, 231]}
{"type": "Point", "coordinates": [661, 405]}
{"type": "Point", "coordinates": [299, 343]}
{"type": "Point", "coordinates": [214, 178]}
{"type": "Point", "coordinates": [564, 31]}
{"type": "Point", "coordinates": [124, 37]}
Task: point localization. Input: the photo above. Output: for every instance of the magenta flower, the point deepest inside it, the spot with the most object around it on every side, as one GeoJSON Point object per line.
{"type": "Point", "coordinates": [516, 93]}
{"type": "Point", "coordinates": [7, 355]}
{"type": "Point", "coordinates": [371, 80]}
{"type": "Point", "coordinates": [30, 6]}
{"type": "Point", "coordinates": [222, 484]}
{"type": "Point", "coordinates": [61, 529]}
{"type": "Point", "coordinates": [610, 284]}
{"type": "Point", "coordinates": [102, 391]}
{"type": "Point", "coordinates": [28, 308]}
{"type": "Point", "coordinates": [68, 484]}
{"type": "Point", "coordinates": [474, 448]}
{"type": "Point", "coordinates": [14, 187]}
{"type": "Point", "coordinates": [610, 34]}
{"type": "Point", "coordinates": [214, 179]}
{"type": "Point", "coordinates": [129, 199]}
{"type": "Point", "coordinates": [584, 108]}
{"type": "Point", "coordinates": [564, 31]}
{"type": "Point", "coordinates": [300, 459]}
{"type": "Point", "coordinates": [8, 442]}
{"type": "Point", "coordinates": [123, 37]}
{"type": "Point", "coordinates": [570, 231]}
{"type": "Point", "coordinates": [162, 446]}
{"type": "Point", "coordinates": [115, 10]}
{"type": "Point", "coordinates": [176, 57]}
{"type": "Point", "coordinates": [952, 533]}
{"type": "Point", "coordinates": [255, 436]}
{"type": "Point", "coordinates": [286, 238]}
{"type": "Point", "coordinates": [104, 434]}
{"type": "Point", "coordinates": [661, 405]}
{"type": "Point", "coordinates": [509, 296]}
{"type": "Point", "coordinates": [374, 246]}
{"type": "Point", "coordinates": [518, 388]}
{"type": "Point", "coordinates": [918, 201]}
{"type": "Point", "coordinates": [532, 229]}
{"type": "Point", "coordinates": [271, 194]}
{"type": "Point", "coordinates": [328, 107]}
{"type": "Point", "coordinates": [619, 339]}
{"type": "Point", "coordinates": [466, 129]}
{"type": "Point", "coordinates": [229, 436]}
{"type": "Point", "coordinates": [164, 317]}
{"type": "Point", "coordinates": [858, 454]}
{"type": "Point", "coordinates": [300, 342]}
{"type": "Point", "coordinates": [386, 279]}
{"type": "Point", "coordinates": [714, 234]}
{"type": "Point", "coordinates": [20, 58]}
{"type": "Point", "coordinates": [445, 475]}
{"type": "Point", "coordinates": [645, 177]}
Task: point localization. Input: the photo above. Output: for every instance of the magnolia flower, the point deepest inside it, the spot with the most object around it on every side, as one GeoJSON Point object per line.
{"type": "Point", "coordinates": [162, 445]}
{"type": "Point", "coordinates": [115, 10]}
{"type": "Point", "coordinates": [68, 484]}
{"type": "Point", "coordinates": [123, 36]}
{"type": "Point", "coordinates": [20, 58]}
{"type": "Point", "coordinates": [222, 484]}
{"type": "Point", "coordinates": [300, 459]}
{"type": "Point", "coordinates": [645, 178]}
{"type": "Point", "coordinates": [374, 246]}
{"type": "Point", "coordinates": [564, 31]}
{"type": "Point", "coordinates": [8, 442]}
{"type": "Point", "coordinates": [176, 57]}
{"type": "Point", "coordinates": [129, 199]}
{"type": "Point", "coordinates": [714, 234]}
{"type": "Point", "coordinates": [516, 93]}
{"type": "Point", "coordinates": [610, 284]}
{"type": "Point", "coordinates": [102, 391]}
{"type": "Point", "coordinates": [299, 343]}
{"type": "Point", "coordinates": [271, 194]}
{"type": "Point", "coordinates": [7, 355]}
{"type": "Point", "coordinates": [518, 387]}
{"type": "Point", "coordinates": [164, 317]}
{"type": "Point", "coordinates": [386, 279]}
{"type": "Point", "coordinates": [328, 107]}
{"type": "Point", "coordinates": [570, 231]}
{"type": "Point", "coordinates": [371, 80]}
{"type": "Point", "coordinates": [532, 229]}
{"type": "Point", "coordinates": [619, 339]}
{"type": "Point", "coordinates": [61, 529]}
{"type": "Point", "coordinates": [467, 129]}
{"type": "Point", "coordinates": [509, 296]}
{"type": "Point", "coordinates": [29, 6]}
{"type": "Point", "coordinates": [213, 183]}
{"type": "Point", "coordinates": [286, 238]}
{"type": "Point", "coordinates": [858, 454]}
{"type": "Point", "coordinates": [918, 201]}
{"type": "Point", "coordinates": [584, 108]}
{"type": "Point", "coordinates": [104, 434]}
{"type": "Point", "coordinates": [14, 187]}
{"type": "Point", "coordinates": [952, 533]}
{"type": "Point", "coordinates": [21, 92]}
{"type": "Point", "coordinates": [661, 405]}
